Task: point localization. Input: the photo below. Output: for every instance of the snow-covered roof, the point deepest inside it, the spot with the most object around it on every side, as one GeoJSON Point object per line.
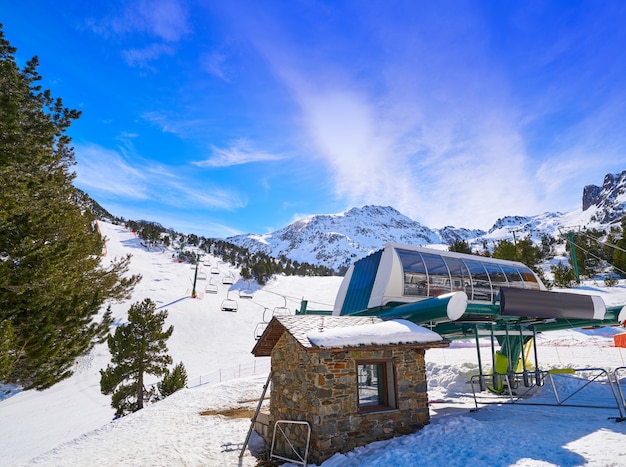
{"type": "Point", "coordinates": [322, 331]}
{"type": "Point", "coordinates": [398, 331]}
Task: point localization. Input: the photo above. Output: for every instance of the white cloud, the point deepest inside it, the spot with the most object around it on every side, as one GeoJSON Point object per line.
{"type": "Point", "coordinates": [435, 136]}
{"type": "Point", "coordinates": [104, 170]}
{"type": "Point", "coordinates": [239, 152]}
{"type": "Point", "coordinates": [141, 58]}
{"type": "Point", "coordinates": [112, 174]}
{"type": "Point", "coordinates": [166, 19]}
{"type": "Point", "coordinates": [162, 22]}
{"type": "Point", "coordinates": [214, 64]}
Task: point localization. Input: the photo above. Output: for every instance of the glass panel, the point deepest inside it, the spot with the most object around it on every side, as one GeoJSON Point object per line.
{"type": "Point", "coordinates": [460, 275]}
{"type": "Point", "coordinates": [438, 275]}
{"type": "Point", "coordinates": [513, 276]}
{"type": "Point", "coordinates": [480, 280]}
{"type": "Point", "coordinates": [371, 384]}
{"type": "Point", "coordinates": [415, 277]}
{"type": "Point", "coordinates": [498, 279]}
{"type": "Point", "coordinates": [530, 281]}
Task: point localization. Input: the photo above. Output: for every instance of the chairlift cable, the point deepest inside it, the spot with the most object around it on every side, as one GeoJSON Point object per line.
{"type": "Point", "coordinates": [602, 242]}
{"type": "Point", "coordinates": [591, 254]}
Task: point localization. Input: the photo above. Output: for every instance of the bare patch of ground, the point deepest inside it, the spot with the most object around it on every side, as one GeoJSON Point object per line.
{"type": "Point", "coordinates": [237, 412]}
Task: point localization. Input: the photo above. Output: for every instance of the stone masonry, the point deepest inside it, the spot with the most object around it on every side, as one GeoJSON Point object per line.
{"type": "Point", "coordinates": [319, 385]}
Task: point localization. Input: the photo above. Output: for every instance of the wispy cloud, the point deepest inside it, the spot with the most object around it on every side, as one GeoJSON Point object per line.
{"type": "Point", "coordinates": [162, 23]}
{"type": "Point", "coordinates": [214, 63]}
{"type": "Point", "coordinates": [175, 123]}
{"type": "Point", "coordinates": [105, 170]}
{"type": "Point", "coordinates": [239, 152]}
{"type": "Point", "coordinates": [141, 58]}
{"type": "Point", "coordinates": [113, 173]}
{"type": "Point", "coordinates": [166, 19]}
{"type": "Point", "coordinates": [437, 135]}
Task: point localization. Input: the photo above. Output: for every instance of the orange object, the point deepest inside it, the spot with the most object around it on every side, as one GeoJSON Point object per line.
{"type": "Point", "coordinates": [620, 340]}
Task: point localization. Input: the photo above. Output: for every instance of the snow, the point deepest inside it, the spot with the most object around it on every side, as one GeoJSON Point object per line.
{"type": "Point", "coordinates": [387, 332]}
{"type": "Point", "coordinates": [72, 422]}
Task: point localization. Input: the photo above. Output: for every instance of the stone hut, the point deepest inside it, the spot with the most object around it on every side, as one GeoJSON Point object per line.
{"type": "Point", "coordinates": [355, 380]}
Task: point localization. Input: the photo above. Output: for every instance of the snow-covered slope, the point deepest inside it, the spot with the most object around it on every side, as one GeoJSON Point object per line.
{"type": "Point", "coordinates": [214, 345]}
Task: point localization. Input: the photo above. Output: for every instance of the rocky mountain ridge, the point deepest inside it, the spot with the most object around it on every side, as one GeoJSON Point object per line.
{"type": "Point", "coordinates": [336, 240]}
{"type": "Point", "coordinates": [609, 200]}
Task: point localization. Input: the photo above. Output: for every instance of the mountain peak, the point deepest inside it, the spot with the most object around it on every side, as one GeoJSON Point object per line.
{"type": "Point", "coordinates": [337, 240]}
{"type": "Point", "coordinates": [609, 200]}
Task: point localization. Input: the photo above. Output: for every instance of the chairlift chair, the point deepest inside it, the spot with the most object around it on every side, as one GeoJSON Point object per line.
{"type": "Point", "coordinates": [228, 304]}
{"type": "Point", "coordinates": [229, 279]}
{"type": "Point", "coordinates": [215, 270]}
{"type": "Point", "coordinates": [282, 310]}
{"type": "Point", "coordinates": [260, 328]}
{"type": "Point", "coordinates": [245, 294]}
{"type": "Point", "coordinates": [211, 287]}
{"type": "Point", "coordinates": [201, 276]}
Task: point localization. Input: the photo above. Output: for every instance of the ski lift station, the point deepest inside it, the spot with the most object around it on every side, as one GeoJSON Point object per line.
{"type": "Point", "coordinates": [347, 393]}
{"type": "Point", "coordinates": [462, 296]}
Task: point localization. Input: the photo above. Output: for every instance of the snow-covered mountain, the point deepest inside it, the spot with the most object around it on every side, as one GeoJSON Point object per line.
{"type": "Point", "coordinates": [608, 203]}
{"type": "Point", "coordinates": [336, 240]}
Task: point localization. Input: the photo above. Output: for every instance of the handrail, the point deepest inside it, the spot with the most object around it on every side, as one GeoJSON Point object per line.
{"type": "Point", "coordinates": [511, 380]}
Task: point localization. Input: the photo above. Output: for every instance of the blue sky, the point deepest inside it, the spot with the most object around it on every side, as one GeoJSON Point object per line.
{"type": "Point", "coordinates": [227, 117]}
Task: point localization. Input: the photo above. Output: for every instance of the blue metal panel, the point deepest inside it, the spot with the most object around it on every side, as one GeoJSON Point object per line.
{"type": "Point", "coordinates": [361, 283]}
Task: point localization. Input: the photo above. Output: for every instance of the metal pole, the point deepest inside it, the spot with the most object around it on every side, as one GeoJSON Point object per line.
{"type": "Point", "coordinates": [480, 364]}
{"type": "Point", "coordinates": [195, 277]}
{"type": "Point", "coordinates": [572, 249]}
{"type": "Point", "coordinates": [538, 380]}
{"type": "Point", "coordinates": [256, 414]}
{"type": "Point", "coordinates": [524, 369]}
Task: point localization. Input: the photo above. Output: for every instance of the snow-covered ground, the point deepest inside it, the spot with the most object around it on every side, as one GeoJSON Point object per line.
{"type": "Point", "coordinates": [71, 423]}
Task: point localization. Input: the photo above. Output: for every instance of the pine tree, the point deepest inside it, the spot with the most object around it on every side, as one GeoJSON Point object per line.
{"type": "Point", "coordinates": [563, 275]}
{"type": "Point", "coordinates": [7, 342]}
{"type": "Point", "coordinates": [619, 253]}
{"type": "Point", "coordinates": [52, 283]}
{"type": "Point", "coordinates": [506, 249]}
{"type": "Point", "coordinates": [137, 348]}
{"type": "Point", "coordinates": [460, 246]}
{"type": "Point", "coordinates": [173, 380]}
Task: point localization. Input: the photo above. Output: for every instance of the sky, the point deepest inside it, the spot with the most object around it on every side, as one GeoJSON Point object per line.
{"type": "Point", "coordinates": [224, 118]}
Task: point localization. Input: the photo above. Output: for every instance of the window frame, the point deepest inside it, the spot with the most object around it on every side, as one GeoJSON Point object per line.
{"type": "Point", "coordinates": [387, 386]}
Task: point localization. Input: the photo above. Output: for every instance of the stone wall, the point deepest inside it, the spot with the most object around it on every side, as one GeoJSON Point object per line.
{"type": "Point", "coordinates": [320, 386]}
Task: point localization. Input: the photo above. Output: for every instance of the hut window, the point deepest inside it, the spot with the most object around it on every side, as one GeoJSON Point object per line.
{"type": "Point", "coordinates": [375, 385]}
